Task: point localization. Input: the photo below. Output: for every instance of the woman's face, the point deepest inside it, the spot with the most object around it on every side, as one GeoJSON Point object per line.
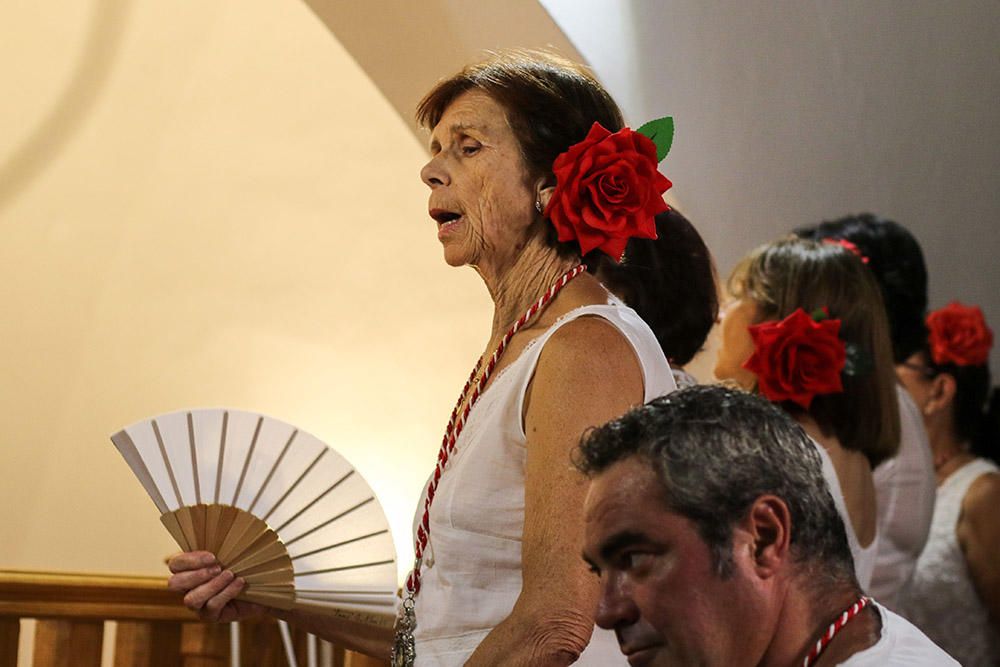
{"type": "Point", "coordinates": [917, 378]}
{"type": "Point", "coordinates": [479, 198]}
{"type": "Point", "coordinates": [735, 317]}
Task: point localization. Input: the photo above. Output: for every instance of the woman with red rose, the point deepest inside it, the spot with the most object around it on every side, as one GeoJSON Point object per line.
{"type": "Point", "coordinates": [531, 175]}
{"type": "Point", "coordinates": [955, 593]}
{"type": "Point", "coordinates": [806, 328]}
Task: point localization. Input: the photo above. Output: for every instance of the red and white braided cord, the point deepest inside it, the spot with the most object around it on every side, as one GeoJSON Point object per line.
{"type": "Point", "coordinates": [457, 420]}
{"type": "Point", "coordinates": [834, 628]}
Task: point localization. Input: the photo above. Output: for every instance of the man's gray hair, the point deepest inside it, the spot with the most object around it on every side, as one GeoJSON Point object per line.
{"type": "Point", "coordinates": [716, 450]}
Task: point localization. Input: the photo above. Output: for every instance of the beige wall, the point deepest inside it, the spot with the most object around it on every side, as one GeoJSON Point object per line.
{"type": "Point", "coordinates": [221, 210]}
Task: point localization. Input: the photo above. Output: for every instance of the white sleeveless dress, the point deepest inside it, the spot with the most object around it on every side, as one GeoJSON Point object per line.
{"type": "Point", "coordinates": [905, 487]}
{"type": "Point", "coordinates": [472, 566]}
{"type": "Point", "coordinates": [864, 557]}
{"type": "Point", "coordinates": [941, 599]}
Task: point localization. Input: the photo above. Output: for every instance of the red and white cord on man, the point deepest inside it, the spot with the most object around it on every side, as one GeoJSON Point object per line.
{"type": "Point", "coordinates": [834, 628]}
{"type": "Point", "coordinates": [457, 420]}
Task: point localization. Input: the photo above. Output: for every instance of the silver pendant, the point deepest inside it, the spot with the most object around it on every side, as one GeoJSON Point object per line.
{"type": "Point", "coordinates": [404, 650]}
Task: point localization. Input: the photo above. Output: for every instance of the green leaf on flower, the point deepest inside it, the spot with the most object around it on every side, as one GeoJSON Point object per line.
{"type": "Point", "coordinates": [819, 315]}
{"type": "Point", "coordinates": [661, 131]}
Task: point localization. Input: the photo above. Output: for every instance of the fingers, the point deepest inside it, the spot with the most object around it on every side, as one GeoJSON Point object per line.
{"type": "Point", "coordinates": [186, 581]}
{"type": "Point", "coordinates": [191, 560]}
{"type": "Point", "coordinates": [198, 596]}
{"type": "Point", "coordinates": [222, 606]}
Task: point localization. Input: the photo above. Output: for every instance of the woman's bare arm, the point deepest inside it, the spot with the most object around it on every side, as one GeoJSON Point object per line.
{"type": "Point", "coordinates": [586, 375]}
{"type": "Point", "coordinates": [978, 533]}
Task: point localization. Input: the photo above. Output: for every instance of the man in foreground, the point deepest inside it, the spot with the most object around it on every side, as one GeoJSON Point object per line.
{"type": "Point", "coordinates": [717, 542]}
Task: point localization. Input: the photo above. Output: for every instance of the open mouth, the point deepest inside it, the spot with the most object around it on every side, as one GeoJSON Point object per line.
{"type": "Point", "coordinates": [444, 217]}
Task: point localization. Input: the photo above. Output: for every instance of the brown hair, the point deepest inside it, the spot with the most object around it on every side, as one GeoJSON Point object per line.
{"type": "Point", "coordinates": [551, 104]}
{"type": "Point", "coordinates": [795, 273]}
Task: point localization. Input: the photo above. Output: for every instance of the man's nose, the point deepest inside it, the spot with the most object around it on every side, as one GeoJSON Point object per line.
{"type": "Point", "coordinates": [615, 607]}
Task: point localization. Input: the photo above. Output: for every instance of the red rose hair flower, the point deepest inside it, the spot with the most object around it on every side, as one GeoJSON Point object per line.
{"type": "Point", "coordinates": [608, 190]}
{"type": "Point", "coordinates": [797, 358]}
{"type": "Point", "coordinates": [958, 335]}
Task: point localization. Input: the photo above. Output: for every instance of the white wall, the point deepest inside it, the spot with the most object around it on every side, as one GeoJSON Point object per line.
{"type": "Point", "coordinates": [788, 113]}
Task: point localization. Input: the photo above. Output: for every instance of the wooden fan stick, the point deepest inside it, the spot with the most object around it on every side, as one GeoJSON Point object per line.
{"type": "Point", "coordinates": [344, 543]}
{"type": "Point", "coordinates": [194, 459]}
{"type": "Point", "coordinates": [295, 484]}
{"type": "Point", "coordinates": [264, 549]}
{"type": "Point", "coordinates": [274, 467]}
{"type": "Point", "coordinates": [166, 462]}
{"type": "Point", "coordinates": [246, 462]}
{"type": "Point", "coordinates": [314, 501]}
{"type": "Point", "coordinates": [331, 520]}
{"type": "Point", "coordinates": [222, 455]}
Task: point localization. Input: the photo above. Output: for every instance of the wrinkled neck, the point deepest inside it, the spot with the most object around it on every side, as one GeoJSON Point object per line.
{"type": "Point", "coordinates": [515, 287]}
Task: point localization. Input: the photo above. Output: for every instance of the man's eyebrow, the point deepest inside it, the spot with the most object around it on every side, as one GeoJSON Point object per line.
{"type": "Point", "coordinates": [616, 542]}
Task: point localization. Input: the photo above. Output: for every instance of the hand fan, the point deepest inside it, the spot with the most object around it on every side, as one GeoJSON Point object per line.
{"type": "Point", "coordinates": [277, 506]}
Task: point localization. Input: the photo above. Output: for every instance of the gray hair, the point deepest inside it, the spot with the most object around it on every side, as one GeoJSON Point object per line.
{"type": "Point", "coordinates": [715, 451]}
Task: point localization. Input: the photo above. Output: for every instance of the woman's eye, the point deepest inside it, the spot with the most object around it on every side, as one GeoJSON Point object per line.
{"type": "Point", "coordinates": [470, 149]}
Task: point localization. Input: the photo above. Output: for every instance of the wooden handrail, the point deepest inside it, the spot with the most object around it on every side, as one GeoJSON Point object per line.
{"type": "Point", "coordinates": [154, 627]}
{"type": "Point", "coordinates": [94, 596]}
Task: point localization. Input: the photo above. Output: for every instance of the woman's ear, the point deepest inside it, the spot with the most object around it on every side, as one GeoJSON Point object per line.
{"type": "Point", "coordinates": [543, 193]}
{"type": "Point", "coordinates": [941, 394]}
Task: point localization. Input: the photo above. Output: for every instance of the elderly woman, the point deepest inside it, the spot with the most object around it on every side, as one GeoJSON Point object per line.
{"type": "Point", "coordinates": [807, 329]}
{"type": "Point", "coordinates": [523, 187]}
{"type": "Point", "coordinates": [955, 593]}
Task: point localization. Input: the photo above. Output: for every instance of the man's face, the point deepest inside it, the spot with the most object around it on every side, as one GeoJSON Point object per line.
{"type": "Point", "coordinates": [659, 590]}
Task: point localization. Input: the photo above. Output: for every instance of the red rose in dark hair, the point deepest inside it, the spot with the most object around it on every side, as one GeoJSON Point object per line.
{"type": "Point", "coordinates": [958, 335]}
{"type": "Point", "coordinates": [607, 191]}
{"type": "Point", "coordinates": [797, 358]}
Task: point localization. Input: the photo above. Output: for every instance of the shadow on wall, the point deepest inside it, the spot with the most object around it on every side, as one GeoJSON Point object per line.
{"type": "Point", "coordinates": [54, 130]}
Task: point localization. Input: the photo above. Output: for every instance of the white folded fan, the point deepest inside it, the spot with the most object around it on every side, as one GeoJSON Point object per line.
{"type": "Point", "coordinates": [276, 505]}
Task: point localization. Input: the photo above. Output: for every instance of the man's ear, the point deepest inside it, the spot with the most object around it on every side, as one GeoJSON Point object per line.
{"type": "Point", "coordinates": [768, 524]}
{"type": "Point", "coordinates": [941, 394]}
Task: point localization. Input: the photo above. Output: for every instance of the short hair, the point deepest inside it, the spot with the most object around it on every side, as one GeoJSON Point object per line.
{"type": "Point", "coordinates": [897, 262]}
{"type": "Point", "coordinates": [670, 281]}
{"type": "Point", "coordinates": [550, 102]}
{"type": "Point", "coordinates": [792, 273]}
{"type": "Point", "coordinates": [716, 450]}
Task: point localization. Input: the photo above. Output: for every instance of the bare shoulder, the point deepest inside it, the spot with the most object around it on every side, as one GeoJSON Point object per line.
{"type": "Point", "coordinates": [982, 500]}
{"type": "Point", "coordinates": [587, 364]}
{"type": "Point", "coordinates": [590, 342]}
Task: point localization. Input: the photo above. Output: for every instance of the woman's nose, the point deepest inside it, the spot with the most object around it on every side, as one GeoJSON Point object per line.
{"type": "Point", "coordinates": [434, 173]}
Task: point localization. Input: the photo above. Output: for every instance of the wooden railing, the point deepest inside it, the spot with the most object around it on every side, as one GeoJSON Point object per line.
{"type": "Point", "coordinates": [153, 629]}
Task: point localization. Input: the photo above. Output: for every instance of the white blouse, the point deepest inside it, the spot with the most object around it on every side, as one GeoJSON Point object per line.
{"type": "Point", "coordinates": [942, 600]}
{"type": "Point", "coordinates": [472, 566]}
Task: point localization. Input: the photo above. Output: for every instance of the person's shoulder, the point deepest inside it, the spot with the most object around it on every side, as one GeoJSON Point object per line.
{"type": "Point", "coordinates": [587, 340]}
{"type": "Point", "coordinates": [983, 497]}
{"type": "Point", "coordinates": [901, 644]}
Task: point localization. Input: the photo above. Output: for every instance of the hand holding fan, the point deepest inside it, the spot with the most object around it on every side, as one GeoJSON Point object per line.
{"type": "Point", "coordinates": [275, 505]}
